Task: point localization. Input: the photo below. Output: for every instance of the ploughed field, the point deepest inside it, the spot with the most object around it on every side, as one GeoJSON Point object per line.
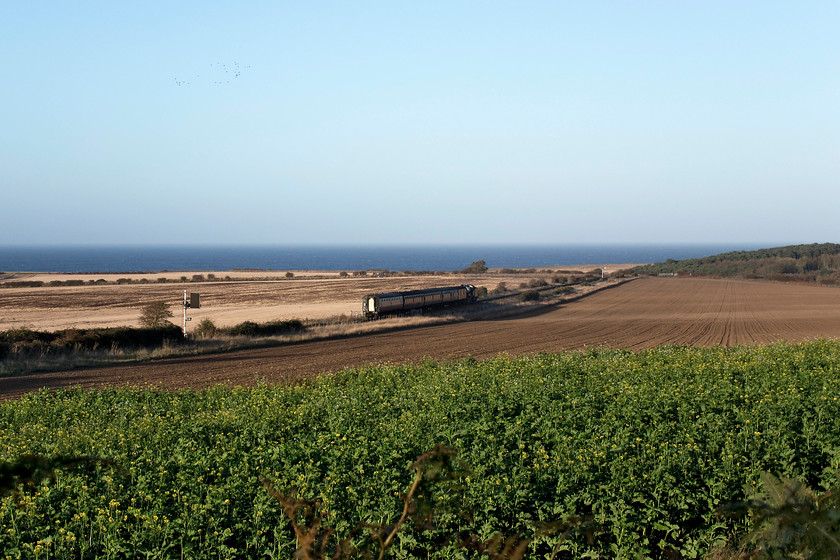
{"type": "Point", "coordinates": [640, 314]}
{"type": "Point", "coordinates": [252, 298]}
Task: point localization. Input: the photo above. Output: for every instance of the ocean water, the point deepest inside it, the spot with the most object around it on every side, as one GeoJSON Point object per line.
{"type": "Point", "coordinates": [399, 258]}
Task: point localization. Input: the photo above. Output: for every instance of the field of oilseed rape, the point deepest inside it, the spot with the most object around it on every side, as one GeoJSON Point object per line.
{"type": "Point", "coordinates": [644, 446]}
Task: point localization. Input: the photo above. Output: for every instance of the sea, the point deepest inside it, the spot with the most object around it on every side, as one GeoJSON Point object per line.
{"type": "Point", "coordinates": [116, 259]}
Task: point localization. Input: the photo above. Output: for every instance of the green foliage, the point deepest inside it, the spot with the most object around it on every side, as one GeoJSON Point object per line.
{"type": "Point", "coordinates": [315, 541]}
{"type": "Point", "coordinates": [155, 314]}
{"type": "Point", "coordinates": [54, 283]}
{"type": "Point", "coordinates": [206, 328]}
{"type": "Point", "coordinates": [245, 328]}
{"type": "Point", "coordinates": [22, 284]}
{"type": "Point", "coordinates": [30, 471]}
{"type": "Point", "coordinates": [476, 267]}
{"type": "Point", "coordinates": [436, 472]}
{"type": "Point", "coordinates": [790, 520]}
{"type": "Point", "coordinates": [647, 445]}
{"type": "Point", "coordinates": [530, 295]}
{"type": "Point", "coordinates": [28, 340]}
{"type": "Point", "coordinates": [817, 261]}
{"type": "Point", "coordinates": [271, 328]}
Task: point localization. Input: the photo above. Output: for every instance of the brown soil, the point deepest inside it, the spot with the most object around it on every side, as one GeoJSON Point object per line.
{"type": "Point", "coordinates": [640, 314]}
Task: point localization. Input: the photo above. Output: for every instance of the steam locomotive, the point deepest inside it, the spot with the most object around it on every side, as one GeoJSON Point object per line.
{"type": "Point", "coordinates": [395, 303]}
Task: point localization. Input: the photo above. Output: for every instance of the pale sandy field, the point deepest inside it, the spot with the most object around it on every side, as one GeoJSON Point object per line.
{"type": "Point", "coordinates": [638, 314]}
{"type": "Point", "coordinates": [255, 295]}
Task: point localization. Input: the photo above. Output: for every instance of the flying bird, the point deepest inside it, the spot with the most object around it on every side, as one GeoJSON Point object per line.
{"type": "Point", "coordinates": [220, 73]}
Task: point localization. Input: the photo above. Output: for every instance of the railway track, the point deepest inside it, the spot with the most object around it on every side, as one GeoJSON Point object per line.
{"type": "Point", "coordinates": [636, 315]}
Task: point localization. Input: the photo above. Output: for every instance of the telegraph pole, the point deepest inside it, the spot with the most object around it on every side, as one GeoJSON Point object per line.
{"type": "Point", "coordinates": [195, 302]}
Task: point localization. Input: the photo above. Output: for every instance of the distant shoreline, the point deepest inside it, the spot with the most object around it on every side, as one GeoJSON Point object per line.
{"type": "Point", "coordinates": [264, 274]}
{"type": "Point", "coordinates": [124, 260]}
{"type": "Point", "coordinates": [54, 301]}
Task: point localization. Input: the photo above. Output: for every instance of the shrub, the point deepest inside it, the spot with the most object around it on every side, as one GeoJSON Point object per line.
{"type": "Point", "coordinates": [69, 339]}
{"type": "Point", "coordinates": [282, 327]}
{"type": "Point", "coordinates": [290, 275]}
{"type": "Point", "coordinates": [197, 278]}
{"type": "Point", "coordinates": [481, 291]}
{"type": "Point", "coordinates": [155, 314]}
{"type": "Point", "coordinates": [26, 335]}
{"type": "Point", "coordinates": [30, 341]}
{"type": "Point", "coordinates": [245, 328]}
{"type": "Point", "coordinates": [476, 267]}
{"type": "Point", "coordinates": [500, 288]}
{"type": "Point", "coordinates": [250, 328]}
{"type": "Point", "coordinates": [33, 347]}
{"type": "Point", "coordinates": [530, 295]}
{"type": "Point", "coordinates": [205, 329]}
{"type": "Point", "coordinates": [66, 283]}
{"type": "Point", "coordinates": [24, 284]}
{"type": "Point", "coordinates": [137, 337]}
{"type": "Point", "coordinates": [537, 283]}
{"type": "Point", "coordinates": [343, 274]}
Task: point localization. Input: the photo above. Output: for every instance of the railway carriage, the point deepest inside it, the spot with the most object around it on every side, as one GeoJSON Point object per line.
{"type": "Point", "coordinates": [395, 303]}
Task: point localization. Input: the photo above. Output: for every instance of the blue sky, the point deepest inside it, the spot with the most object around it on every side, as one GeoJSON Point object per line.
{"type": "Point", "coordinates": [421, 122]}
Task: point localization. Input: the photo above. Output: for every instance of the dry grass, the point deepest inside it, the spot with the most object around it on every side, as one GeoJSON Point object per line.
{"type": "Point", "coordinates": [249, 296]}
{"type": "Point", "coordinates": [338, 326]}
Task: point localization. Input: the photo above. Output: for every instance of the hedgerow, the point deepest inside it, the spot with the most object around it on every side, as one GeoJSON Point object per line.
{"type": "Point", "coordinates": [30, 340]}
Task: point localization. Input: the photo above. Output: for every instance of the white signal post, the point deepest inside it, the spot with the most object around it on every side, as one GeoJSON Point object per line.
{"type": "Point", "coordinates": [193, 301]}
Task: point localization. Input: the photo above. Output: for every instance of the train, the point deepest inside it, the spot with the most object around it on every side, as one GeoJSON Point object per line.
{"type": "Point", "coordinates": [414, 301]}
